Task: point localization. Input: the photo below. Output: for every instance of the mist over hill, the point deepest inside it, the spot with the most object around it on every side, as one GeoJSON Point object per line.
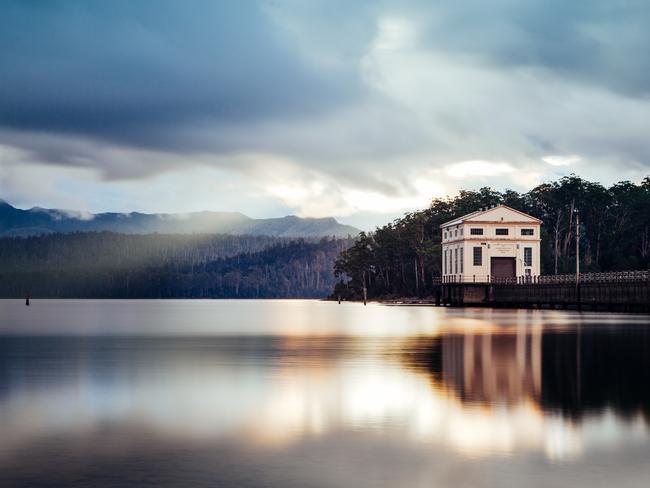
{"type": "Point", "coordinates": [112, 265]}
{"type": "Point", "coordinates": [67, 254]}
{"type": "Point", "coordinates": [37, 221]}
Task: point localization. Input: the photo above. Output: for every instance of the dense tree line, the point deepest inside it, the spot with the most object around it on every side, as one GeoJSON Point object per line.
{"type": "Point", "coordinates": [404, 257]}
{"type": "Point", "coordinates": [108, 265]}
{"type": "Point", "coordinates": [110, 249]}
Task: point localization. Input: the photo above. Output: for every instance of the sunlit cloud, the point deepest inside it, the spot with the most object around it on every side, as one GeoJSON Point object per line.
{"type": "Point", "coordinates": [394, 34]}
{"type": "Point", "coordinates": [561, 160]}
{"type": "Point", "coordinates": [466, 169]}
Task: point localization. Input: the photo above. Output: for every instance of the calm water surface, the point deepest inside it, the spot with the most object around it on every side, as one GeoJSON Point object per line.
{"type": "Point", "coordinates": [314, 394]}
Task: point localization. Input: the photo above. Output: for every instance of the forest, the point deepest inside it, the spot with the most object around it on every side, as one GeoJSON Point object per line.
{"type": "Point", "coordinates": [403, 258]}
{"type": "Point", "coordinates": [110, 265]}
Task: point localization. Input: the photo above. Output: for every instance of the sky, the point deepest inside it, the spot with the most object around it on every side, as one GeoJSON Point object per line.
{"type": "Point", "coordinates": [361, 110]}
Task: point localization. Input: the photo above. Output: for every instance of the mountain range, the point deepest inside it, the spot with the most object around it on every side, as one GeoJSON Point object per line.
{"type": "Point", "coordinates": [37, 221]}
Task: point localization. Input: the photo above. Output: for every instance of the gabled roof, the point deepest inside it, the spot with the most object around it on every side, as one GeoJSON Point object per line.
{"type": "Point", "coordinates": [472, 215]}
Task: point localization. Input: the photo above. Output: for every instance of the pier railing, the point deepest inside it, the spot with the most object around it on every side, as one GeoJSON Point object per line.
{"type": "Point", "coordinates": [608, 277]}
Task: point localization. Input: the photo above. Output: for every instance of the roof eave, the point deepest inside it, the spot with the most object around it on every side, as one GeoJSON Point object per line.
{"type": "Point", "coordinates": [468, 217]}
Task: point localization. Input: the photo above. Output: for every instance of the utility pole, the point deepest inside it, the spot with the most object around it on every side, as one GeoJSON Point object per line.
{"type": "Point", "coordinates": [415, 262]}
{"type": "Point", "coordinates": [577, 246]}
{"type": "Point", "coordinates": [579, 338]}
{"type": "Point", "coordinates": [578, 257]}
{"type": "Point", "coordinates": [365, 289]}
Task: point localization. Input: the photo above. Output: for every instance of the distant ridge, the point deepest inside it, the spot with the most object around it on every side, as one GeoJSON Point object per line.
{"type": "Point", "coordinates": [36, 221]}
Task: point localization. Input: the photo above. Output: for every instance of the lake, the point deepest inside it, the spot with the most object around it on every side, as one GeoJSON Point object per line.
{"type": "Point", "coordinates": [299, 393]}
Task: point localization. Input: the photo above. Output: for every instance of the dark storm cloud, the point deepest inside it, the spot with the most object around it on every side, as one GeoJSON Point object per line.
{"type": "Point", "coordinates": [130, 71]}
{"type": "Point", "coordinates": [383, 99]}
{"type": "Point", "coordinates": [602, 42]}
{"type": "Point", "coordinates": [146, 73]}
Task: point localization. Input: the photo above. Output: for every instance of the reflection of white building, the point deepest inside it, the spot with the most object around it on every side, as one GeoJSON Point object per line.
{"type": "Point", "coordinates": [498, 242]}
{"type": "Point", "coordinates": [494, 368]}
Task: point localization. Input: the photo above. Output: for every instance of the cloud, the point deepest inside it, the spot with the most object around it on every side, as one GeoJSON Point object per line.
{"type": "Point", "coordinates": [596, 43]}
{"type": "Point", "coordinates": [134, 72]}
{"type": "Point", "coordinates": [326, 107]}
{"type": "Point", "coordinates": [561, 160]}
{"type": "Point", "coordinates": [478, 168]}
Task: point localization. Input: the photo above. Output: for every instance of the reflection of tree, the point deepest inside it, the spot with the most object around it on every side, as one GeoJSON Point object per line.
{"type": "Point", "coordinates": [597, 369]}
{"type": "Point", "coordinates": [566, 371]}
{"type": "Point", "coordinates": [424, 354]}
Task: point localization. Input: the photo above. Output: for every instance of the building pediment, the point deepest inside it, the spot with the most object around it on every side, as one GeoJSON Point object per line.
{"type": "Point", "coordinates": [500, 213]}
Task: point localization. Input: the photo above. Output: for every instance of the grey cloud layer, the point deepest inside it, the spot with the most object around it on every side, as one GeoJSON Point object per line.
{"type": "Point", "coordinates": [596, 42]}
{"type": "Point", "coordinates": [136, 72]}
{"type": "Point", "coordinates": [85, 82]}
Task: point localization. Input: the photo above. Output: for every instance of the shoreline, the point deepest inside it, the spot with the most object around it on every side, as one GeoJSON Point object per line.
{"type": "Point", "coordinates": [406, 301]}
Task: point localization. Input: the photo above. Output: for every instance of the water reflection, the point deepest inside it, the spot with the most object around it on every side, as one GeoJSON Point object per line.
{"type": "Point", "coordinates": [478, 387]}
{"type": "Point", "coordinates": [573, 372]}
{"type": "Point", "coordinates": [560, 392]}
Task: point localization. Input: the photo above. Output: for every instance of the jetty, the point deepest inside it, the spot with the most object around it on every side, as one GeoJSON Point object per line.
{"type": "Point", "coordinates": [625, 291]}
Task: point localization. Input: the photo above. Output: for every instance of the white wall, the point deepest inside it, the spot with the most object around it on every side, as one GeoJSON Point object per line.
{"type": "Point", "coordinates": [493, 245]}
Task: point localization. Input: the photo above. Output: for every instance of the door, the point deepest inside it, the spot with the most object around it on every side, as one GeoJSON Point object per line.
{"type": "Point", "coordinates": [503, 268]}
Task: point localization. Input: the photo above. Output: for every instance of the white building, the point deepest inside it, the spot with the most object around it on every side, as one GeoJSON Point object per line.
{"type": "Point", "coordinates": [495, 243]}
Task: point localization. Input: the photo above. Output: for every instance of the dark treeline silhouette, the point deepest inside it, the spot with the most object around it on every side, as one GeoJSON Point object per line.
{"type": "Point", "coordinates": [109, 265]}
{"type": "Point", "coordinates": [403, 258]}
{"type": "Point", "coordinates": [598, 369]}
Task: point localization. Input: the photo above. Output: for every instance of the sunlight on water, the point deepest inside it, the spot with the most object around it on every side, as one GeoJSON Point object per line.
{"type": "Point", "coordinates": [297, 393]}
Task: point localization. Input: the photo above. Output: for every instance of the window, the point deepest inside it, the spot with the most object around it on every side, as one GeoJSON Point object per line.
{"type": "Point", "coordinates": [456, 261]}
{"type": "Point", "coordinates": [478, 256]}
{"type": "Point", "coordinates": [461, 231]}
{"type": "Point", "coordinates": [476, 232]}
{"type": "Point", "coordinates": [501, 232]}
{"type": "Point", "coordinates": [456, 233]}
{"type": "Point", "coordinates": [461, 260]}
{"type": "Point", "coordinates": [527, 232]}
{"type": "Point", "coordinates": [528, 256]}
{"type": "Point", "coordinates": [450, 268]}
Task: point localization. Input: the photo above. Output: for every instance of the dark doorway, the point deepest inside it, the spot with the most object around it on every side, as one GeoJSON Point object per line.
{"type": "Point", "coordinates": [503, 267]}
